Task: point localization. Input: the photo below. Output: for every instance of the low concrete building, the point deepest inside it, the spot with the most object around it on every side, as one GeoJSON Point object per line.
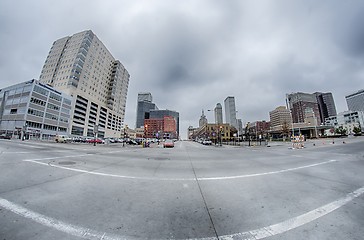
{"type": "Point", "coordinates": [34, 110]}
{"type": "Point", "coordinates": [348, 120]}
{"type": "Point", "coordinates": [215, 132]}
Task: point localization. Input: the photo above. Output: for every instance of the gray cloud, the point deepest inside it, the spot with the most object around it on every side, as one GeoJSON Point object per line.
{"type": "Point", "coordinates": [193, 54]}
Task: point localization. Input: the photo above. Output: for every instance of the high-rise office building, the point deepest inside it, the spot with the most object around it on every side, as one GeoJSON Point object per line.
{"type": "Point", "coordinates": [326, 105]}
{"type": "Point", "coordinates": [302, 103]}
{"type": "Point", "coordinates": [230, 111]}
{"type": "Point", "coordinates": [144, 106]}
{"type": "Point", "coordinates": [145, 97]}
{"type": "Point", "coordinates": [279, 118]}
{"type": "Point", "coordinates": [218, 114]}
{"type": "Point", "coordinates": [355, 101]}
{"type": "Point", "coordinates": [81, 66]}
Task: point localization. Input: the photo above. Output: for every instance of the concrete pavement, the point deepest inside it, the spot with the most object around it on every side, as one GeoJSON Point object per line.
{"type": "Point", "coordinates": [78, 191]}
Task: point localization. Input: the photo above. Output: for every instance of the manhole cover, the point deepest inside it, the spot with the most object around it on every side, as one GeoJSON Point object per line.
{"type": "Point", "coordinates": [67, 163]}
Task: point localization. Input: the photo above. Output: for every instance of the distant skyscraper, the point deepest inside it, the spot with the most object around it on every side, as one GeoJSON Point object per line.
{"type": "Point", "coordinates": [144, 106]}
{"type": "Point", "coordinates": [218, 114]}
{"type": "Point", "coordinates": [230, 111]}
{"type": "Point", "coordinates": [203, 119]}
{"type": "Point", "coordinates": [302, 103]}
{"type": "Point", "coordinates": [355, 101]}
{"type": "Point", "coordinates": [280, 117]}
{"type": "Point", "coordinates": [326, 105]}
{"type": "Point", "coordinates": [81, 66]}
{"type": "Point", "coordinates": [145, 97]}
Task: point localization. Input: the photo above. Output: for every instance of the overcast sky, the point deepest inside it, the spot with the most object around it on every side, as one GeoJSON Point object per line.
{"type": "Point", "coordinates": [192, 54]}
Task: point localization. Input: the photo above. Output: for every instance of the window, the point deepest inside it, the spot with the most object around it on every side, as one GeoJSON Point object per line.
{"type": "Point", "coordinates": [51, 116]}
{"type": "Point", "coordinates": [52, 106]}
{"type": "Point", "coordinates": [37, 101]}
{"type": "Point", "coordinates": [55, 97]}
{"type": "Point", "coordinates": [35, 112]}
{"type": "Point", "coordinates": [40, 90]}
{"type": "Point", "coordinates": [13, 111]}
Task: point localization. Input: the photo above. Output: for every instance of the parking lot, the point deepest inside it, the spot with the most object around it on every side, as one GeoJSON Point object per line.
{"type": "Point", "coordinates": [191, 191]}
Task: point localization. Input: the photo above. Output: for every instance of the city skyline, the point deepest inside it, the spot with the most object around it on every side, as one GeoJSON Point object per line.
{"type": "Point", "coordinates": [188, 57]}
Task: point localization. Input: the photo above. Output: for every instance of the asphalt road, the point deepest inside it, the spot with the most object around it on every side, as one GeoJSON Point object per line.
{"type": "Point", "coordinates": [78, 191]}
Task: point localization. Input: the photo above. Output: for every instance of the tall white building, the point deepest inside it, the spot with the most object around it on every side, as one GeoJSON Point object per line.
{"type": "Point", "coordinates": [81, 66]}
{"type": "Point", "coordinates": [230, 111]}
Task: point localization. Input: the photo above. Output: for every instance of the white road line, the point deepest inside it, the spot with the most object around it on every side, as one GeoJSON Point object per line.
{"type": "Point", "coordinates": [295, 222]}
{"type": "Point", "coordinates": [60, 151]}
{"type": "Point", "coordinates": [267, 173]}
{"type": "Point", "coordinates": [54, 223]}
{"type": "Point", "coordinates": [259, 233]}
{"type": "Point", "coordinates": [174, 179]}
{"type": "Point", "coordinates": [51, 158]}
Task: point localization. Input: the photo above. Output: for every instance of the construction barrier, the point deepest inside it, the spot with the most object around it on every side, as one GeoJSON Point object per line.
{"type": "Point", "coordinates": [298, 142]}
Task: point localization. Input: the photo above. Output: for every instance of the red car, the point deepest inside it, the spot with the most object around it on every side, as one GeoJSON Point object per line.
{"type": "Point", "coordinates": [94, 140]}
{"type": "Point", "coordinates": [168, 143]}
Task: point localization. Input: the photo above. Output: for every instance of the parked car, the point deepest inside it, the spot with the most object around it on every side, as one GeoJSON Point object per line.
{"type": "Point", "coordinates": [62, 139]}
{"type": "Point", "coordinates": [5, 136]}
{"type": "Point", "coordinates": [95, 140]}
{"type": "Point", "coordinates": [168, 143]}
{"type": "Point", "coordinates": [131, 142]}
{"type": "Point", "coordinates": [207, 142]}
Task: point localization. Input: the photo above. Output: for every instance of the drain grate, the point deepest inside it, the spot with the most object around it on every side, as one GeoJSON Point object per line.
{"type": "Point", "coordinates": [67, 163]}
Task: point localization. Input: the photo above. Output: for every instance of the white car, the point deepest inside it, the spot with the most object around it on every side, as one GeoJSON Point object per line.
{"type": "Point", "coordinates": [63, 139]}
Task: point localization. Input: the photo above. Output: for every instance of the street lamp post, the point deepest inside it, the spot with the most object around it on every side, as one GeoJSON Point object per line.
{"type": "Point", "coordinates": [96, 129]}
{"type": "Point", "coordinates": [145, 135]}
{"type": "Point", "coordinates": [220, 135]}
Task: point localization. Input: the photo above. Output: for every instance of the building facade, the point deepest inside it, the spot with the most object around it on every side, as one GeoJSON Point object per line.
{"type": "Point", "coordinates": [144, 106]}
{"type": "Point", "coordinates": [143, 112]}
{"type": "Point", "coordinates": [81, 66]}
{"type": "Point", "coordinates": [230, 111]}
{"type": "Point", "coordinates": [145, 97]}
{"type": "Point", "coordinates": [218, 114]}
{"type": "Point", "coordinates": [215, 132]}
{"type": "Point", "coordinates": [280, 118]}
{"type": "Point", "coordinates": [302, 103]}
{"type": "Point", "coordinates": [326, 105]}
{"type": "Point", "coordinates": [161, 128]}
{"type": "Point", "coordinates": [203, 119]}
{"type": "Point", "coordinates": [355, 101]}
{"type": "Point", "coordinates": [348, 120]}
{"type": "Point", "coordinates": [161, 114]}
{"type": "Point", "coordinates": [34, 110]}
{"type": "Point", "coordinates": [259, 129]}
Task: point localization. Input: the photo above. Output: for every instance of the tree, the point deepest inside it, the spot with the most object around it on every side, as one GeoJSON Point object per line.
{"type": "Point", "coordinates": [341, 130]}
{"type": "Point", "coordinates": [357, 130]}
{"type": "Point", "coordinates": [285, 129]}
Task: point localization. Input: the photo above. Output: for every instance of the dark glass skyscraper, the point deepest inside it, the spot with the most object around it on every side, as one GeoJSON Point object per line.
{"type": "Point", "coordinates": [326, 105]}
{"type": "Point", "coordinates": [144, 106]}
